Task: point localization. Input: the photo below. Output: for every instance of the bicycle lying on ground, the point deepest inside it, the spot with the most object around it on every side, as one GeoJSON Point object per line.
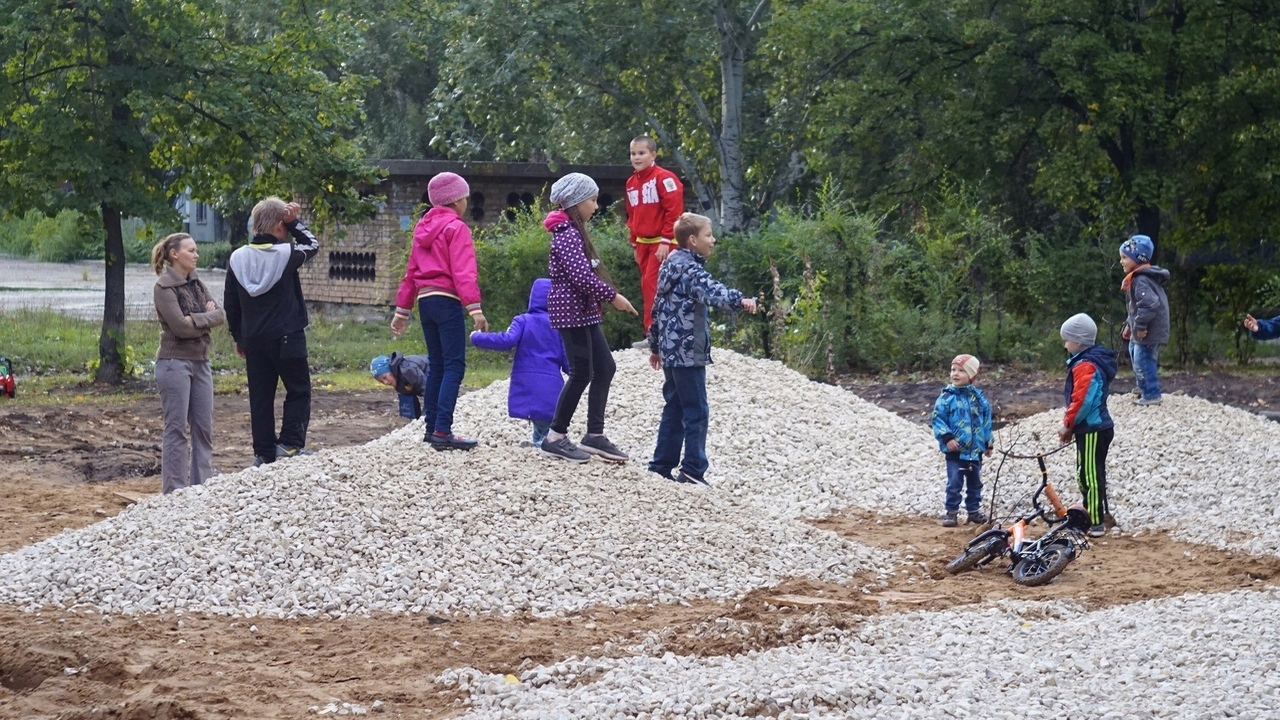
{"type": "Point", "coordinates": [1032, 562]}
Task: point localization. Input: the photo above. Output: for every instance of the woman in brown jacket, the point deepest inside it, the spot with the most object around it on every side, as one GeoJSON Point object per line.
{"type": "Point", "coordinates": [183, 375]}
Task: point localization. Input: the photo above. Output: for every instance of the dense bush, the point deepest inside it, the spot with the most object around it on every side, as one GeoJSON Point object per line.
{"type": "Point", "coordinates": [841, 289]}
{"type": "Point", "coordinates": [65, 237]}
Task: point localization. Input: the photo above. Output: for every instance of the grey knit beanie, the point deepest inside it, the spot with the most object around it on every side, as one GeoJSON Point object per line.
{"type": "Point", "coordinates": [573, 189]}
{"type": "Point", "coordinates": [1080, 328]}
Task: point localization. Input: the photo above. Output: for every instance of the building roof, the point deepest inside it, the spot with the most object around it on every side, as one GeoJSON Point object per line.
{"type": "Point", "coordinates": [533, 171]}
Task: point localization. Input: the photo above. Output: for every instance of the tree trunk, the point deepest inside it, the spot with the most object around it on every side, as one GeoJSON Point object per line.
{"type": "Point", "coordinates": [1148, 219]}
{"type": "Point", "coordinates": [239, 228]}
{"type": "Point", "coordinates": [111, 342]}
{"type": "Point", "coordinates": [733, 69]}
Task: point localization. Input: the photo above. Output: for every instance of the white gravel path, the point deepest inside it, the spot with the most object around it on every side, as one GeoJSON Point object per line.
{"type": "Point", "coordinates": [1194, 656]}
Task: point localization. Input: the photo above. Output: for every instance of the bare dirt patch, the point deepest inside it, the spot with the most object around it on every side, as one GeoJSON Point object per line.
{"type": "Point", "coordinates": [69, 666]}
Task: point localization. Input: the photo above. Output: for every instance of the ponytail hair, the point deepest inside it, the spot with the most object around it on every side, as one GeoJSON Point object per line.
{"type": "Point", "coordinates": [160, 251]}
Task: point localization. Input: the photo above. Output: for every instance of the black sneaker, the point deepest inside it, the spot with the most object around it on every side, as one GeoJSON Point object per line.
{"type": "Point", "coordinates": [977, 518]}
{"type": "Point", "coordinates": [564, 450]}
{"type": "Point", "coordinates": [1097, 531]}
{"type": "Point", "coordinates": [686, 478]}
{"type": "Point", "coordinates": [451, 442]}
{"type": "Point", "coordinates": [600, 445]}
{"type": "Point", "coordinates": [949, 520]}
{"type": "Point", "coordinates": [259, 461]}
{"type": "Point", "coordinates": [288, 451]}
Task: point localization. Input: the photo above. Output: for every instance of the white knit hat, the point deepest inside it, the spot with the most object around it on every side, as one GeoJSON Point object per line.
{"type": "Point", "coordinates": [573, 189]}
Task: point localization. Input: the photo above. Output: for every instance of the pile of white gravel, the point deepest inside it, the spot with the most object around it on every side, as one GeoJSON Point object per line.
{"type": "Point", "coordinates": [1205, 472]}
{"type": "Point", "coordinates": [1186, 657]}
{"type": "Point", "coordinates": [393, 526]}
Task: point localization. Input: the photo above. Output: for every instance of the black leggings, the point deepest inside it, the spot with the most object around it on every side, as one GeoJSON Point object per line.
{"type": "Point", "coordinates": [590, 363]}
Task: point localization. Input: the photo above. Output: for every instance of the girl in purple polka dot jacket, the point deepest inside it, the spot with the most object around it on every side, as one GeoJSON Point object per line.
{"type": "Point", "coordinates": [578, 288]}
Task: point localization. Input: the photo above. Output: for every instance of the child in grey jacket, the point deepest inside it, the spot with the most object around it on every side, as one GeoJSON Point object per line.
{"type": "Point", "coordinates": [1147, 325]}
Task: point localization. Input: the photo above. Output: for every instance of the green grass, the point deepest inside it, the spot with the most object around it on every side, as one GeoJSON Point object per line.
{"type": "Point", "coordinates": [51, 354]}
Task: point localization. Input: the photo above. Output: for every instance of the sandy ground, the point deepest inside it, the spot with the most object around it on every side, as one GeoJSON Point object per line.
{"type": "Point", "coordinates": [66, 468]}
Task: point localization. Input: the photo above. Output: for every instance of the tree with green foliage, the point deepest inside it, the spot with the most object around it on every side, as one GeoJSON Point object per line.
{"type": "Point", "coordinates": [1100, 118]}
{"type": "Point", "coordinates": [112, 107]}
{"type": "Point", "coordinates": [562, 81]}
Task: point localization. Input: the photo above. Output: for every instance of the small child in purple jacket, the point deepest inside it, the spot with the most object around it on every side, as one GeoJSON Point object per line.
{"type": "Point", "coordinates": [540, 356]}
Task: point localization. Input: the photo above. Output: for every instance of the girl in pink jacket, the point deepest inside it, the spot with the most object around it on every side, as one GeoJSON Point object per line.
{"type": "Point", "coordinates": [441, 278]}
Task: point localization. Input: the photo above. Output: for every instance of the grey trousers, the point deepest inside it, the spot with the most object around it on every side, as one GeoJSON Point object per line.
{"type": "Point", "coordinates": [186, 401]}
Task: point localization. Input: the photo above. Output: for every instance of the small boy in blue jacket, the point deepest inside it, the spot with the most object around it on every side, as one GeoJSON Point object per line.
{"type": "Point", "coordinates": [962, 425]}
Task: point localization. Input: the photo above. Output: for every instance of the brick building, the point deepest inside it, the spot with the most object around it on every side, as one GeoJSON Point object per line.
{"type": "Point", "coordinates": [363, 266]}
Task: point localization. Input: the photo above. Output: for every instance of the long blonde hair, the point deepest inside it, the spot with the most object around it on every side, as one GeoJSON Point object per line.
{"type": "Point", "coordinates": [160, 251]}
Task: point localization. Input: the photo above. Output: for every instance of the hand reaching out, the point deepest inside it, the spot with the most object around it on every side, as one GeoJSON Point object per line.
{"type": "Point", "coordinates": [621, 303]}
{"type": "Point", "coordinates": [749, 304]}
{"type": "Point", "coordinates": [1250, 323]}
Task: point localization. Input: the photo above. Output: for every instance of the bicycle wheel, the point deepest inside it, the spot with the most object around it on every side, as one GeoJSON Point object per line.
{"type": "Point", "coordinates": [1044, 566]}
{"type": "Point", "coordinates": [974, 555]}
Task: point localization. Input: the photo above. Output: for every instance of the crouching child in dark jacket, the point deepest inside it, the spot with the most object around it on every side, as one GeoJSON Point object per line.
{"type": "Point", "coordinates": [680, 345]}
{"type": "Point", "coordinates": [540, 357]}
{"type": "Point", "coordinates": [408, 375]}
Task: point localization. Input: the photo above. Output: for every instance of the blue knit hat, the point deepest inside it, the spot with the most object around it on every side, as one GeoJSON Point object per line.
{"type": "Point", "coordinates": [380, 365]}
{"type": "Point", "coordinates": [1138, 248]}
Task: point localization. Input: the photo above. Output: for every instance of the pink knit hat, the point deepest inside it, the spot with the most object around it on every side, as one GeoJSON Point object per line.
{"type": "Point", "coordinates": [447, 188]}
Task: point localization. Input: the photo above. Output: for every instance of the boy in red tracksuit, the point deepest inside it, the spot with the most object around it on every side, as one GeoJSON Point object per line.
{"type": "Point", "coordinates": [655, 199]}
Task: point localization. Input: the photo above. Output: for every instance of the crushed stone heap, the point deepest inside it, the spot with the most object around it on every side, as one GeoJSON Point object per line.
{"type": "Point", "coordinates": [393, 526]}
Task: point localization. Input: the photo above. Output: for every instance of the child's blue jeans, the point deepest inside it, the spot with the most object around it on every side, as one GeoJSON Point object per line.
{"type": "Point", "coordinates": [540, 430]}
{"type": "Point", "coordinates": [684, 422]}
{"type": "Point", "coordinates": [964, 475]}
{"type": "Point", "coordinates": [1145, 358]}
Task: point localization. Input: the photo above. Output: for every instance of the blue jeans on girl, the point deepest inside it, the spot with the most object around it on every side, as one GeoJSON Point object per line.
{"type": "Point", "coordinates": [444, 327]}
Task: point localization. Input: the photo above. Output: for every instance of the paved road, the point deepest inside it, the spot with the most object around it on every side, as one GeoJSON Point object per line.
{"type": "Point", "coordinates": [76, 289]}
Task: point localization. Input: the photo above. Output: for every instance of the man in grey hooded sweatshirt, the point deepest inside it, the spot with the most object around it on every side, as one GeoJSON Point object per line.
{"type": "Point", "coordinates": [267, 317]}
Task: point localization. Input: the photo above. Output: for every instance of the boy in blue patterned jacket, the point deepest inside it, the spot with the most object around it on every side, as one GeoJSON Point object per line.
{"type": "Point", "coordinates": [680, 345]}
{"type": "Point", "coordinates": [962, 425]}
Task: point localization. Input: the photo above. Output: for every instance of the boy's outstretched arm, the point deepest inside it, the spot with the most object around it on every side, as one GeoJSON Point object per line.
{"type": "Point", "coordinates": [711, 292]}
